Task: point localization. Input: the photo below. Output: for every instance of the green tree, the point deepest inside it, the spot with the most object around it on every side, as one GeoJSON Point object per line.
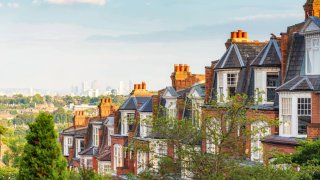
{"type": "Point", "coordinates": [42, 157]}
{"type": "Point", "coordinates": [224, 131]}
{"type": "Point", "coordinates": [38, 99]}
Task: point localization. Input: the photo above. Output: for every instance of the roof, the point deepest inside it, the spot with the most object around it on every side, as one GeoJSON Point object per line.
{"type": "Point", "coordinates": [74, 132]}
{"type": "Point", "coordinates": [301, 83]}
{"type": "Point", "coordinates": [296, 57]}
{"type": "Point", "coordinates": [281, 140]}
{"type": "Point", "coordinates": [89, 151]}
{"type": "Point", "coordinates": [270, 56]}
{"type": "Point", "coordinates": [146, 107]}
{"type": "Point", "coordinates": [134, 102]}
{"type": "Point", "coordinates": [238, 54]}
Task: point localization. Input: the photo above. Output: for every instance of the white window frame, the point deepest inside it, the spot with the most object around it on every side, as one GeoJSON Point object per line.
{"type": "Point", "coordinates": [145, 128]}
{"type": "Point", "coordinates": [78, 146]}
{"type": "Point", "coordinates": [262, 130]}
{"type": "Point", "coordinates": [95, 135]}
{"type": "Point", "coordinates": [223, 84]}
{"type": "Point", "coordinates": [141, 161]}
{"type": "Point", "coordinates": [294, 115]}
{"type": "Point", "coordinates": [110, 133]}
{"type": "Point", "coordinates": [125, 122]}
{"type": "Point", "coordinates": [312, 64]}
{"type": "Point", "coordinates": [67, 143]}
{"type": "Point", "coordinates": [307, 111]}
{"type": "Point", "coordinates": [118, 156]}
{"type": "Point", "coordinates": [260, 83]}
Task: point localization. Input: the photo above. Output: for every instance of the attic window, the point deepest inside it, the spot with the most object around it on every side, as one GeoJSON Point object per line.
{"type": "Point", "coordinates": [313, 56]}
{"type": "Point", "coordinates": [232, 83]}
{"type": "Point", "coordinates": [272, 84]}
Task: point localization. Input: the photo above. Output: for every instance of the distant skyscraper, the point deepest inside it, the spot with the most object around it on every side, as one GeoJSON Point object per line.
{"type": "Point", "coordinates": [95, 84]}
{"type": "Point", "coordinates": [122, 90]}
{"type": "Point", "coordinates": [84, 87]}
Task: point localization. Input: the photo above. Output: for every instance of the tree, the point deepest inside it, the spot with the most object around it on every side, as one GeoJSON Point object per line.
{"type": "Point", "coordinates": [225, 131]}
{"type": "Point", "coordinates": [42, 157]}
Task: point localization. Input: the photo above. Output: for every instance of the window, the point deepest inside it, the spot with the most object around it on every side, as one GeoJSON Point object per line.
{"type": "Point", "coordinates": [80, 146]}
{"type": "Point", "coordinates": [68, 141]}
{"type": "Point", "coordinates": [118, 157]}
{"type": "Point", "coordinates": [95, 136]}
{"type": "Point", "coordinates": [220, 86]}
{"type": "Point", "coordinates": [286, 115]}
{"type": "Point", "coordinates": [172, 113]}
{"type": "Point", "coordinates": [196, 113]}
{"type": "Point", "coordinates": [313, 56]}
{"type": "Point", "coordinates": [304, 115]}
{"type": "Point", "coordinates": [232, 80]}
{"type": "Point", "coordinates": [272, 84]}
{"type": "Point", "coordinates": [142, 161]}
{"type": "Point", "coordinates": [110, 133]}
{"type": "Point", "coordinates": [260, 130]}
{"type": "Point", "coordinates": [89, 163]}
{"type": "Point", "coordinates": [127, 119]}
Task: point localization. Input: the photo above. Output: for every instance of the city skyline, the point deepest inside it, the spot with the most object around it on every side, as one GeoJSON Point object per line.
{"type": "Point", "coordinates": [113, 41]}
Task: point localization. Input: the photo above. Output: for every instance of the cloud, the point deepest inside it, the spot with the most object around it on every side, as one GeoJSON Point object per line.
{"type": "Point", "coordinates": [94, 2]}
{"type": "Point", "coordinates": [13, 5]}
{"type": "Point", "coordinates": [266, 17]}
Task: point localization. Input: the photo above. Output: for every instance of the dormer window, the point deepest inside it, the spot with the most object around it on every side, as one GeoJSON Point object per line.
{"type": "Point", "coordinates": [232, 81]}
{"type": "Point", "coordinates": [313, 56]}
{"type": "Point", "coordinates": [95, 136]}
{"type": "Point", "coordinates": [227, 84]}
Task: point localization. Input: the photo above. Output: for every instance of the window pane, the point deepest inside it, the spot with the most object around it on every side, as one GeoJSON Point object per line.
{"type": "Point", "coordinates": [302, 124]}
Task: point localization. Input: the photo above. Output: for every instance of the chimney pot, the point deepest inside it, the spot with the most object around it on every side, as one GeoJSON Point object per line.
{"type": "Point", "coordinates": [240, 34]}
{"type": "Point", "coordinates": [176, 67]}
{"type": "Point", "coordinates": [135, 86]}
{"type": "Point", "coordinates": [233, 35]}
{"type": "Point", "coordinates": [245, 35]}
{"type": "Point", "coordinates": [139, 86]}
{"type": "Point", "coordinates": [144, 86]}
{"type": "Point", "coordinates": [180, 67]}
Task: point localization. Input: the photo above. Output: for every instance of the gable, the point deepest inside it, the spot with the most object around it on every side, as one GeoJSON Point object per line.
{"type": "Point", "coordinates": [312, 27]}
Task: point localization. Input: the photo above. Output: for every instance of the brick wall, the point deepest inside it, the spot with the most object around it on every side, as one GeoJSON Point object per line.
{"type": "Point", "coordinates": [209, 82]}
{"type": "Point", "coordinates": [269, 149]}
{"type": "Point", "coordinates": [95, 166]}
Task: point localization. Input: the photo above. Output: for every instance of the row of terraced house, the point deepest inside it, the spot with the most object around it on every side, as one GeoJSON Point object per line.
{"type": "Point", "coordinates": [286, 68]}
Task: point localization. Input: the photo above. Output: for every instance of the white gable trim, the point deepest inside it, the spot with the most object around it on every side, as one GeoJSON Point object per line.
{"type": "Point", "coordinates": [310, 27]}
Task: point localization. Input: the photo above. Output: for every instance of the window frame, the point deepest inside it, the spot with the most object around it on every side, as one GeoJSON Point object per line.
{"type": "Point", "coordinates": [310, 62]}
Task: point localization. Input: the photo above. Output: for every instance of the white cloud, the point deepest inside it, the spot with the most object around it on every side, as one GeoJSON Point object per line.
{"type": "Point", "coordinates": [265, 17]}
{"type": "Point", "coordinates": [94, 2]}
{"type": "Point", "coordinates": [13, 5]}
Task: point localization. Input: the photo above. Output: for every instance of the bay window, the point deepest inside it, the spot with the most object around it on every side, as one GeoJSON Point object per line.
{"type": "Point", "coordinates": [227, 84]}
{"type": "Point", "coordinates": [286, 115]}
{"type": "Point", "coordinates": [304, 115]}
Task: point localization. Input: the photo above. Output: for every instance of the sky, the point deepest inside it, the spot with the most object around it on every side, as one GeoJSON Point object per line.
{"type": "Point", "coordinates": [55, 44]}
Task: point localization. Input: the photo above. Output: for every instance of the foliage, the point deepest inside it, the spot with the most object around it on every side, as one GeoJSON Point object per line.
{"type": "Point", "coordinates": [306, 158]}
{"type": "Point", "coordinates": [259, 172]}
{"type": "Point", "coordinates": [42, 157]}
{"type": "Point", "coordinates": [86, 174]}
{"type": "Point", "coordinates": [8, 173]}
{"type": "Point", "coordinates": [225, 131]}
{"type": "Point", "coordinates": [62, 116]}
{"type": "Point", "coordinates": [22, 119]}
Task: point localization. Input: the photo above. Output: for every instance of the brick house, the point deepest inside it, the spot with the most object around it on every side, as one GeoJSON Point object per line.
{"type": "Point", "coordinates": [299, 94]}
{"type": "Point", "coordinates": [87, 141]}
{"type": "Point", "coordinates": [182, 100]}
{"type": "Point", "coordinates": [129, 124]}
{"type": "Point", "coordinates": [247, 67]}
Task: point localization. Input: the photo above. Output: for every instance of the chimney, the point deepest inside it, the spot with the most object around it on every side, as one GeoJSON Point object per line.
{"type": "Point", "coordinates": [144, 86]}
{"type": "Point", "coordinates": [135, 86]}
{"type": "Point", "coordinates": [233, 35]}
{"type": "Point", "coordinates": [139, 86]}
{"type": "Point", "coordinates": [79, 119]}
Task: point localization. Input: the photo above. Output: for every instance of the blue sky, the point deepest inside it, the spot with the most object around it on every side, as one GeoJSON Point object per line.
{"type": "Point", "coordinates": [58, 43]}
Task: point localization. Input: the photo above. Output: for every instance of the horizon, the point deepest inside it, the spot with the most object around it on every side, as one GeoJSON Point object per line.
{"type": "Point", "coordinates": [111, 41]}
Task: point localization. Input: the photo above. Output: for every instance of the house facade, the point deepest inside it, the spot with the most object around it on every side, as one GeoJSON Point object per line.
{"type": "Point", "coordinates": [87, 143]}
{"type": "Point", "coordinates": [299, 93]}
